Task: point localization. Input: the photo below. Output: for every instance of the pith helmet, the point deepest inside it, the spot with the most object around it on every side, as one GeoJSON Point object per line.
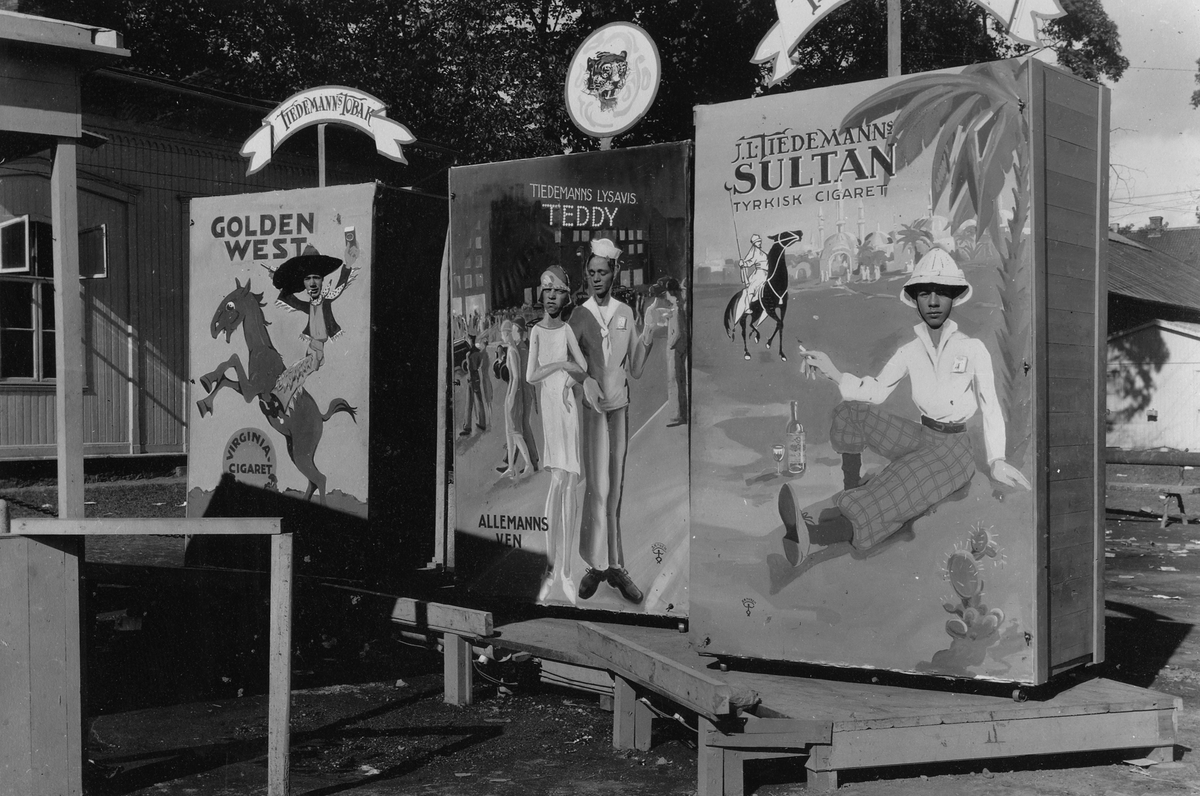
{"type": "Point", "coordinates": [937, 267]}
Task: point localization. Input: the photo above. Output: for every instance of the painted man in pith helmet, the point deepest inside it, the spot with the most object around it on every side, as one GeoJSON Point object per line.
{"type": "Point", "coordinates": [306, 273]}
{"type": "Point", "coordinates": [951, 378]}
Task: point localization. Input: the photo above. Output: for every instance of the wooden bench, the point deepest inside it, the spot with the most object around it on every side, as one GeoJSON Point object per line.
{"type": "Point", "coordinates": [41, 742]}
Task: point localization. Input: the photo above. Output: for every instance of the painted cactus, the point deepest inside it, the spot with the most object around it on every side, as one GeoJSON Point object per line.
{"type": "Point", "coordinates": [973, 619]}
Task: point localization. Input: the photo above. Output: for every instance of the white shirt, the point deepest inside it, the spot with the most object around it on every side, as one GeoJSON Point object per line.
{"type": "Point", "coordinates": [949, 383]}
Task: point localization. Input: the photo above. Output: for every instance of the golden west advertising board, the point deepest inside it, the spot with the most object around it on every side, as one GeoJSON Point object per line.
{"type": "Point", "coordinates": [898, 304]}
{"type": "Point", "coordinates": [280, 345]}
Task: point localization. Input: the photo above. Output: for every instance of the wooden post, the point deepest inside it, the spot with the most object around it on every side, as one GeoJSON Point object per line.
{"type": "Point", "coordinates": [279, 711]}
{"type": "Point", "coordinates": [606, 143]}
{"type": "Point", "coordinates": [457, 670]}
{"type": "Point", "coordinates": [710, 761]}
{"type": "Point", "coordinates": [893, 28]}
{"type": "Point", "coordinates": [68, 337]}
{"type": "Point", "coordinates": [624, 707]}
{"type": "Point", "coordinates": [320, 156]}
{"type": "Point", "coordinates": [643, 726]}
{"type": "Point", "coordinates": [443, 548]}
{"type": "Point", "coordinates": [4, 521]}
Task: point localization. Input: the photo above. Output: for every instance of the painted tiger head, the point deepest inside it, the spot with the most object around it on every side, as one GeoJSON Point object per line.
{"type": "Point", "coordinates": [606, 73]}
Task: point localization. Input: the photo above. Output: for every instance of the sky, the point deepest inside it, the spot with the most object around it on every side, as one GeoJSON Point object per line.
{"type": "Point", "coordinates": [1155, 133]}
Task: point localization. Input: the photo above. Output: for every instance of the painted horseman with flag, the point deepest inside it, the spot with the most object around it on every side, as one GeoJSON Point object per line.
{"type": "Point", "coordinates": [754, 267]}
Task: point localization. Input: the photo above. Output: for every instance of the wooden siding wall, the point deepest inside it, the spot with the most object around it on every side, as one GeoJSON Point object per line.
{"type": "Point", "coordinates": [138, 184]}
{"type": "Point", "coordinates": [1073, 291]}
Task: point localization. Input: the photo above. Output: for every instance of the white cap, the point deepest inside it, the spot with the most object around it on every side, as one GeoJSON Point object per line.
{"type": "Point", "coordinates": [937, 267]}
{"type": "Point", "coordinates": [603, 247]}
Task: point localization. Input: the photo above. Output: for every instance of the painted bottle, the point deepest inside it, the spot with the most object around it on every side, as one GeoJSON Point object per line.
{"type": "Point", "coordinates": [795, 442]}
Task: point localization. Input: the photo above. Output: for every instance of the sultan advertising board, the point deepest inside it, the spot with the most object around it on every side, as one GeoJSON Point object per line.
{"type": "Point", "coordinates": [280, 345]}
{"type": "Point", "coordinates": [570, 389]}
{"type": "Point", "coordinates": [899, 299]}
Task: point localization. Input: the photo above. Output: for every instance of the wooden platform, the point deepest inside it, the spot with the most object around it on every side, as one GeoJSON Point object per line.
{"type": "Point", "coordinates": [837, 726]}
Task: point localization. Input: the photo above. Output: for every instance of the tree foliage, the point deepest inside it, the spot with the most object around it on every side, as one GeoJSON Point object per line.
{"type": "Point", "coordinates": [486, 78]}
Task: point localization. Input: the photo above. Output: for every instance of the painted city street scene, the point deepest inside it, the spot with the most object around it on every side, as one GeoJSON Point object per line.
{"type": "Point", "coordinates": [562, 495]}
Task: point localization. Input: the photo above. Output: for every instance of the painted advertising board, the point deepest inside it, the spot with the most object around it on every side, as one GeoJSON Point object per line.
{"type": "Point", "coordinates": [279, 319]}
{"type": "Point", "coordinates": [862, 457]}
{"type": "Point", "coordinates": [571, 420]}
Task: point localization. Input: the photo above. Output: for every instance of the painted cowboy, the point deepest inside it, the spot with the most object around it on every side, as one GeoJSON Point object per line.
{"type": "Point", "coordinates": [306, 273]}
{"type": "Point", "coordinates": [754, 267]}
{"type": "Point", "coordinates": [951, 379]}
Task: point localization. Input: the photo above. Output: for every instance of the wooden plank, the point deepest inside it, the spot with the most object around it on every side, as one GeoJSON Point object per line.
{"type": "Point", "coordinates": [693, 689]}
{"type": "Point", "coordinates": [1067, 158]}
{"type": "Point", "coordinates": [1070, 328]}
{"type": "Point", "coordinates": [16, 759]}
{"type": "Point", "coordinates": [1065, 428]}
{"type": "Point", "coordinates": [996, 739]}
{"type": "Point", "coordinates": [74, 634]}
{"type": "Point", "coordinates": [1067, 395]}
{"type": "Point", "coordinates": [1069, 497]}
{"type": "Point", "coordinates": [68, 338]}
{"type": "Point", "coordinates": [444, 618]}
{"type": "Point", "coordinates": [457, 670]}
{"type": "Point", "coordinates": [279, 695]}
{"type": "Point", "coordinates": [1071, 563]}
{"type": "Point", "coordinates": [1069, 596]}
{"type": "Point", "coordinates": [1069, 462]}
{"type": "Point", "coordinates": [1071, 259]}
{"type": "Point", "coordinates": [1076, 127]}
{"type": "Point", "coordinates": [1102, 98]}
{"type": "Point", "coordinates": [810, 731]}
{"type": "Point", "coordinates": [582, 678]}
{"type": "Point", "coordinates": [1071, 635]}
{"type": "Point", "coordinates": [1070, 91]}
{"type": "Point", "coordinates": [1070, 293]}
{"type": "Point", "coordinates": [1070, 530]}
{"type": "Point", "coordinates": [165, 526]}
{"type": "Point", "coordinates": [49, 686]}
{"type": "Point", "coordinates": [1071, 192]}
{"type": "Point", "coordinates": [1038, 333]}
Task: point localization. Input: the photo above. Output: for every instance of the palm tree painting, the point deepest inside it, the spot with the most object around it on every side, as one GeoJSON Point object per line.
{"type": "Point", "coordinates": [976, 125]}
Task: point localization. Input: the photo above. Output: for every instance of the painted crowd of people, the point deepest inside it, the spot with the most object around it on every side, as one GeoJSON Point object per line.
{"type": "Point", "coordinates": [572, 369]}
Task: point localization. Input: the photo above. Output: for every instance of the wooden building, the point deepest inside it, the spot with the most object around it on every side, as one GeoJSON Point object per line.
{"type": "Point", "coordinates": [155, 144]}
{"type": "Point", "coordinates": [1153, 373]}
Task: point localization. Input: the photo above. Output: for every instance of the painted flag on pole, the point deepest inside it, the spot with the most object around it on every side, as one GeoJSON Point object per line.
{"type": "Point", "coordinates": [1022, 19]}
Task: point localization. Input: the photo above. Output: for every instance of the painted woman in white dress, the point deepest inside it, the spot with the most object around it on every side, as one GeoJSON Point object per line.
{"type": "Point", "coordinates": [553, 356]}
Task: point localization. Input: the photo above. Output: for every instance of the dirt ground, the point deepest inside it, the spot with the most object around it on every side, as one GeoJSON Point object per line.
{"type": "Point", "coordinates": [176, 682]}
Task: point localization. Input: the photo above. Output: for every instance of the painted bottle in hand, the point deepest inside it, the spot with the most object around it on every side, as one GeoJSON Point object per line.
{"type": "Point", "coordinates": [795, 442]}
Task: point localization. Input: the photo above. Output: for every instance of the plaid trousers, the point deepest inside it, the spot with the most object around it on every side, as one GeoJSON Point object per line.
{"type": "Point", "coordinates": [926, 467]}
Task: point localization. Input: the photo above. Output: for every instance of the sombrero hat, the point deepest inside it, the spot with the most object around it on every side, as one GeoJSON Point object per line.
{"type": "Point", "coordinates": [289, 277]}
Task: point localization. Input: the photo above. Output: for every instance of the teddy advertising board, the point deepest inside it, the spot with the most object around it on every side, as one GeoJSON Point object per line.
{"type": "Point", "coordinates": [569, 327]}
{"type": "Point", "coordinates": [897, 307]}
{"type": "Point", "coordinates": [279, 345]}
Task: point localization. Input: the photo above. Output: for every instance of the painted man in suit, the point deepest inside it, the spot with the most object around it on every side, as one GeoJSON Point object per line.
{"type": "Point", "coordinates": [615, 351]}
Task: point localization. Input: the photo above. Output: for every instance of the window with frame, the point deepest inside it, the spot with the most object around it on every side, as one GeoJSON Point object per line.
{"type": "Point", "coordinates": [27, 320]}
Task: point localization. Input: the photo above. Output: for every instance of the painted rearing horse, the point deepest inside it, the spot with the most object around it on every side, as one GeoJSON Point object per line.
{"type": "Point", "coordinates": [773, 301]}
{"type": "Point", "coordinates": [303, 422]}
